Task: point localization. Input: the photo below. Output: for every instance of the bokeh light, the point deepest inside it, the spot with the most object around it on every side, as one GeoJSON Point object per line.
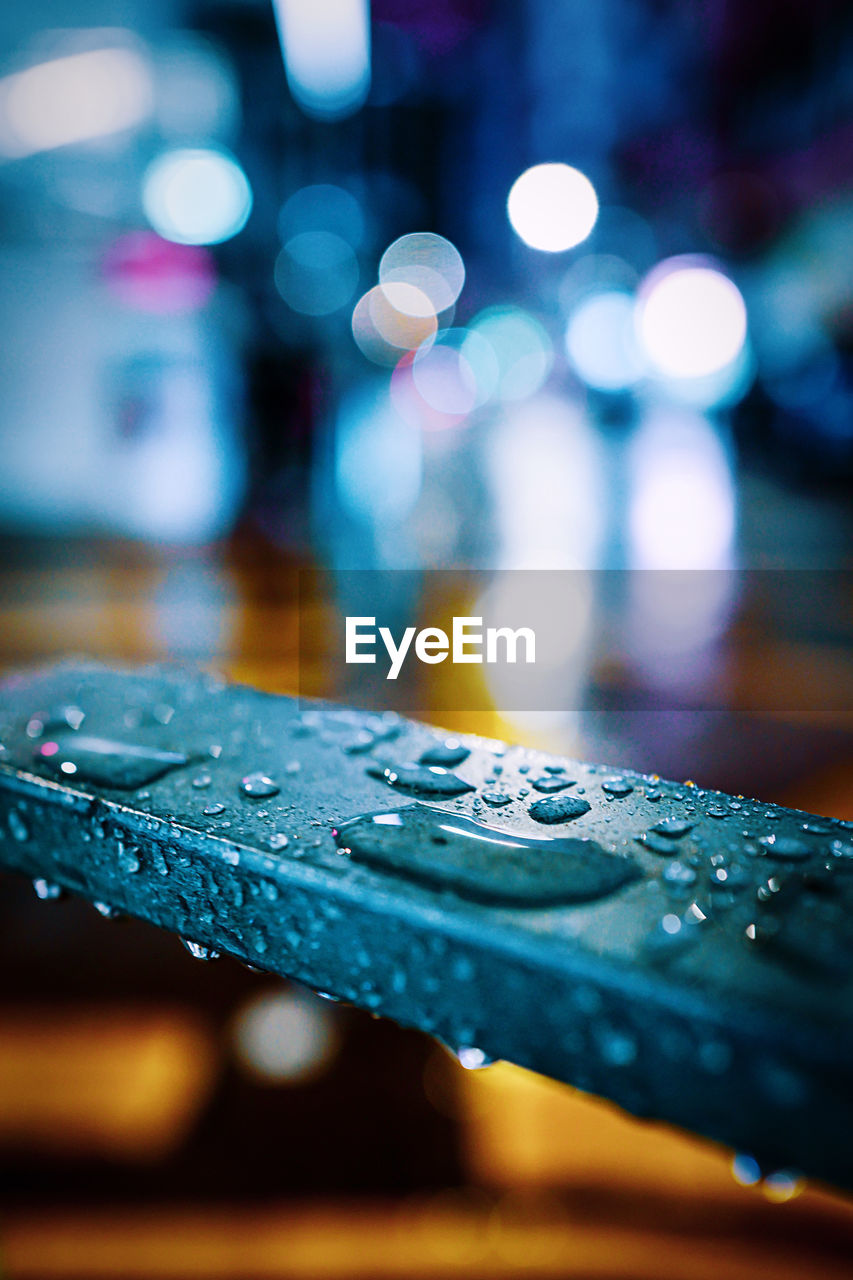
{"type": "Point", "coordinates": [383, 330]}
{"type": "Point", "coordinates": [456, 373]}
{"type": "Point", "coordinates": [717, 390]}
{"type": "Point", "coordinates": [285, 1037]}
{"type": "Point", "coordinates": [195, 195]}
{"type": "Point", "coordinates": [326, 48]}
{"type": "Point", "coordinates": [154, 275]}
{"type": "Point", "coordinates": [746, 1170]}
{"type": "Point", "coordinates": [691, 319]}
{"type": "Point", "coordinates": [427, 261]}
{"type": "Point", "coordinates": [73, 99]}
{"type": "Point", "coordinates": [552, 207]}
{"type": "Point", "coordinates": [601, 343]}
{"type": "Point", "coordinates": [783, 1185]}
{"type": "Point", "coordinates": [521, 347]}
{"type": "Point", "coordinates": [316, 273]}
{"type": "Point", "coordinates": [323, 206]}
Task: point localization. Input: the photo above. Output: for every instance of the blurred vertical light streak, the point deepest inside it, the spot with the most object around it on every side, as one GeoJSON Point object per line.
{"type": "Point", "coordinates": [545, 467]}
{"type": "Point", "coordinates": [326, 49]}
{"type": "Point", "coordinates": [682, 525]}
{"type": "Point", "coordinates": [73, 99]}
{"type": "Point", "coordinates": [682, 511]}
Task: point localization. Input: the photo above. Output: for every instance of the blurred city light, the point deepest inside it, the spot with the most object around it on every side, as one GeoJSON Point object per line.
{"type": "Point", "coordinates": [682, 505]}
{"type": "Point", "coordinates": [691, 319]}
{"type": "Point", "coordinates": [455, 373]}
{"type": "Point", "coordinates": [552, 207]}
{"type": "Point", "coordinates": [411, 405]}
{"type": "Point", "coordinates": [323, 207]}
{"type": "Point", "coordinates": [326, 49]}
{"type": "Point", "coordinates": [316, 273]}
{"type": "Point", "coordinates": [196, 196]}
{"type": "Point", "coordinates": [378, 457]}
{"type": "Point", "coordinates": [521, 347]}
{"type": "Point", "coordinates": [383, 330]}
{"type": "Point", "coordinates": [155, 275]}
{"type": "Point", "coordinates": [73, 99]}
{"type": "Point", "coordinates": [717, 390]}
{"type": "Point", "coordinates": [285, 1037]}
{"type": "Point", "coordinates": [427, 261]}
{"type": "Point", "coordinates": [601, 342]}
{"type": "Point", "coordinates": [546, 473]}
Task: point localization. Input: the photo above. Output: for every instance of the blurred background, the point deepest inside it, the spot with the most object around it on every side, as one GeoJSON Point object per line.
{"type": "Point", "coordinates": [296, 288]}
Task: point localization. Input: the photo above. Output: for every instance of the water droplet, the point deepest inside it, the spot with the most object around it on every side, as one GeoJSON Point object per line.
{"type": "Point", "coordinates": [654, 795]}
{"type": "Point", "coordinates": [213, 810]}
{"type": "Point", "coordinates": [678, 873]}
{"type": "Point", "coordinates": [108, 912]}
{"type": "Point", "coordinates": [18, 827]}
{"type": "Point", "coordinates": [560, 808]}
{"type": "Point", "coordinates": [420, 779]}
{"type": "Point", "coordinates": [789, 848]}
{"type": "Point", "coordinates": [59, 720]}
{"type": "Point", "coordinates": [673, 828]}
{"type": "Point", "coordinates": [472, 1058]}
{"type": "Point", "coordinates": [550, 782]}
{"type": "Point", "coordinates": [159, 862]}
{"type": "Point", "coordinates": [497, 798]}
{"type": "Point", "coordinates": [481, 862]}
{"type": "Point", "coordinates": [361, 743]}
{"type": "Point", "coordinates": [716, 811]}
{"type": "Point", "coordinates": [122, 765]}
{"type": "Point", "coordinates": [656, 843]}
{"type": "Point", "coordinates": [127, 859]}
{"type": "Point", "coordinates": [258, 786]}
{"type": "Point", "coordinates": [617, 786]}
{"type": "Point", "coordinates": [47, 890]}
{"type": "Point", "coordinates": [278, 840]}
{"type": "Point", "coordinates": [201, 781]}
{"type": "Point", "coordinates": [198, 951]}
{"type": "Point", "coordinates": [292, 766]}
{"type": "Point", "coordinates": [448, 753]}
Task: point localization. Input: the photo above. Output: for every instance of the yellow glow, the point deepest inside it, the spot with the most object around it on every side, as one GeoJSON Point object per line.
{"type": "Point", "coordinates": [123, 1084]}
